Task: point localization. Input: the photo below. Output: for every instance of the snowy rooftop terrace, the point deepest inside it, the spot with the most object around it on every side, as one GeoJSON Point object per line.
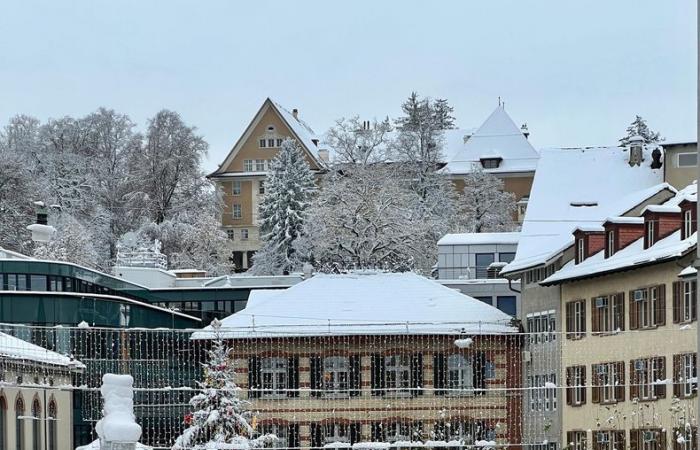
{"type": "Point", "coordinates": [363, 303]}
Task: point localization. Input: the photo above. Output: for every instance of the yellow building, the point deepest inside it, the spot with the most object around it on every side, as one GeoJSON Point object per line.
{"type": "Point", "coordinates": [241, 177]}
{"type": "Point", "coordinates": [629, 353]}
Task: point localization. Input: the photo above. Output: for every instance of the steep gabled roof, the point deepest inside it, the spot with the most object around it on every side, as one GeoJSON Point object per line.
{"type": "Point", "coordinates": [363, 303]}
{"type": "Point", "coordinates": [579, 186]}
{"type": "Point", "coordinates": [497, 137]}
{"type": "Point", "coordinates": [301, 131]}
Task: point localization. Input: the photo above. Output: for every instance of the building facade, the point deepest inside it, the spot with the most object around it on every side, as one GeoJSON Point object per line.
{"type": "Point", "coordinates": [241, 176]}
{"type": "Point", "coordinates": [680, 163]}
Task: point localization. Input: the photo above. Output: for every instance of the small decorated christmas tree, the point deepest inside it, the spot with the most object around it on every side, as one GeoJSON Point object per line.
{"type": "Point", "coordinates": [220, 419]}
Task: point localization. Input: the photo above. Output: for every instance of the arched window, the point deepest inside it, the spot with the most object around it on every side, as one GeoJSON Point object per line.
{"type": "Point", "coordinates": [3, 423]}
{"type": "Point", "coordinates": [36, 425]}
{"type": "Point", "coordinates": [53, 429]}
{"type": "Point", "coordinates": [19, 423]}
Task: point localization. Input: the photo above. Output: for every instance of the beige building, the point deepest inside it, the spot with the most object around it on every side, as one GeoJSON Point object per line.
{"type": "Point", "coordinates": [393, 358]}
{"type": "Point", "coordinates": [241, 177]}
{"type": "Point", "coordinates": [680, 163]}
{"type": "Point", "coordinates": [35, 411]}
{"type": "Point", "coordinates": [629, 357]}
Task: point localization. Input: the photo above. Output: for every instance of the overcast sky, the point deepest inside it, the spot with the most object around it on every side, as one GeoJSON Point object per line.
{"type": "Point", "coordinates": [576, 72]}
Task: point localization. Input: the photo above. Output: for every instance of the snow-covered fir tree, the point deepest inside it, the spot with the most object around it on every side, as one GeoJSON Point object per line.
{"type": "Point", "coordinates": [220, 418]}
{"type": "Point", "coordinates": [289, 188]}
{"type": "Point", "coordinates": [486, 207]}
{"type": "Point", "coordinates": [639, 127]}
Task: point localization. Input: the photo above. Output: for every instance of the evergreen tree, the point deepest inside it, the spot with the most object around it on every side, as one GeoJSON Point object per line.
{"type": "Point", "coordinates": [221, 419]}
{"type": "Point", "coordinates": [639, 127]}
{"type": "Point", "coordinates": [288, 191]}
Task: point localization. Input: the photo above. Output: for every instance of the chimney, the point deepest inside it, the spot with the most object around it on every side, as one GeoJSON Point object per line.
{"type": "Point", "coordinates": [295, 113]}
{"type": "Point", "coordinates": [324, 155]}
{"type": "Point", "coordinates": [636, 145]}
{"type": "Point", "coordinates": [525, 131]}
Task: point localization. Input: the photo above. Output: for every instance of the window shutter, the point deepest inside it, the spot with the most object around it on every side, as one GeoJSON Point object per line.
{"type": "Point", "coordinates": [595, 317]}
{"type": "Point", "coordinates": [620, 310]}
{"type": "Point", "coordinates": [620, 381]}
{"type": "Point", "coordinates": [377, 435]}
{"type": "Point", "coordinates": [569, 319]}
{"type": "Point", "coordinates": [634, 439]}
{"type": "Point", "coordinates": [293, 435]}
{"type": "Point", "coordinates": [633, 312]}
{"type": "Point", "coordinates": [355, 433]}
{"type": "Point", "coordinates": [569, 383]}
{"type": "Point", "coordinates": [583, 378]}
{"type": "Point", "coordinates": [253, 377]}
{"type": "Point", "coordinates": [677, 293]}
{"type": "Point", "coordinates": [316, 375]}
{"type": "Point", "coordinates": [660, 315]}
{"type": "Point", "coordinates": [355, 375]}
{"type": "Point", "coordinates": [377, 375]}
{"type": "Point", "coordinates": [416, 374]}
{"type": "Point", "coordinates": [677, 386]}
{"type": "Point", "coordinates": [694, 300]}
{"type": "Point", "coordinates": [479, 373]}
{"type": "Point", "coordinates": [595, 381]}
{"type": "Point", "coordinates": [569, 439]}
{"type": "Point", "coordinates": [620, 434]}
{"type": "Point", "coordinates": [660, 374]}
{"type": "Point", "coordinates": [316, 435]}
{"type": "Point", "coordinates": [293, 376]}
{"type": "Point", "coordinates": [634, 383]}
{"type": "Point", "coordinates": [439, 373]}
{"type": "Point", "coordinates": [583, 312]}
{"type": "Point", "coordinates": [662, 440]}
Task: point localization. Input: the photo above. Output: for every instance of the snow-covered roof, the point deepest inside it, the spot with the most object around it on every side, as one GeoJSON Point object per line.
{"type": "Point", "coordinates": [634, 254]}
{"type": "Point", "coordinates": [9, 254]}
{"type": "Point", "coordinates": [662, 209]}
{"type": "Point", "coordinates": [479, 238]}
{"type": "Point", "coordinates": [300, 128]}
{"type": "Point", "coordinates": [497, 137]}
{"type": "Point", "coordinates": [689, 271]}
{"type": "Point", "coordinates": [363, 303]}
{"type": "Point", "coordinates": [15, 348]}
{"type": "Point", "coordinates": [625, 220]}
{"type": "Point", "coordinates": [565, 177]}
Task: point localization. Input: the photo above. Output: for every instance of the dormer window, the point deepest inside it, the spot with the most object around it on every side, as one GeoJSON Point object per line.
{"type": "Point", "coordinates": [650, 235]}
{"type": "Point", "coordinates": [610, 246]}
{"type": "Point", "coordinates": [491, 163]}
{"type": "Point", "coordinates": [687, 223]}
{"type": "Point", "coordinates": [263, 143]}
{"type": "Point", "coordinates": [580, 250]}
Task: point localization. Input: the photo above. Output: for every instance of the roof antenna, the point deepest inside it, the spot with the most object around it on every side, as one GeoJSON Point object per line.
{"type": "Point", "coordinates": [499, 100]}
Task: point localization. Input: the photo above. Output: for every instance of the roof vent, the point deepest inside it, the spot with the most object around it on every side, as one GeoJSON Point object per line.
{"type": "Point", "coordinates": [295, 113]}
{"type": "Point", "coordinates": [636, 144]}
{"type": "Point", "coordinates": [525, 131]}
{"type": "Point", "coordinates": [583, 204]}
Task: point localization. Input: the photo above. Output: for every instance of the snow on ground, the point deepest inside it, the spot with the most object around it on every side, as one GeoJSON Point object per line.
{"type": "Point", "coordinates": [364, 302]}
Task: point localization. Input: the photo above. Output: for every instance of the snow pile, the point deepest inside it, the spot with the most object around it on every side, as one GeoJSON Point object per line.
{"type": "Point", "coordinates": [119, 423]}
{"type": "Point", "coordinates": [464, 343]}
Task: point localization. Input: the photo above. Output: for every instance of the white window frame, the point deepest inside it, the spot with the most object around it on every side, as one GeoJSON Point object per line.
{"type": "Point", "coordinates": [335, 432]}
{"type": "Point", "coordinates": [237, 211]}
{"type": "Point", "coordinates": [236, 187]}
{"type": "Point", "coordinates": [650, 228]}
{"type": "Point", "coordinates": [247, 165]}
{"type": "Point", "coordinates": [261, 187]}
{"type": "Point", "coordinates": [271, 142]}
{"type": "Point", "coordinates": [611, 243]}
{"type": "Point", "coordinates": [608, 382]}
{"type": "Point", "coordinates": [231, 234]}
{"type": "Point", "coordinates": [687, 303]}
{"type": "Point", "coordinates": [689, 373]}
{"type": "Point", "coordinates": [274, 373]}
{"type": "Point", "coordinates": [579, 318]}
{"type": "Point", "coordinates": [398, 431]}
{"type": "Point", "coordinates": [460, 374]}
{"type": "Point", "coordinates": [688, 223]}
{"type": "Point", "coordinates": [260, 165]}
{"type": "Point", "coordinates": [580, 250]}
{"type": "Point", "coordinates": [645, 378]}
{"type": "Point", "coordinates": [578, 383]}
{"type": "Point", "coordinates": [244, 234]}
{"type": "Point", "coordinates": [397, 373]}
{"type": "Point", "coordinates": [336, 375]}
{"type": "Point", "coordinates": [580, 442]}
{"type": "Point", "coordinates": [262, 143]}
{"type": "Point", "coordinates": [646, 309]}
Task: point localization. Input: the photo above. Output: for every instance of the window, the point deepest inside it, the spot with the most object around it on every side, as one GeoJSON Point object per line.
{"type": "Point", "coordinates": [460, 374]}
{"type": "Point", "coordinates": [271, 142]}
{"type": "Point", "coordinates": [609, 440]}
{"type": "Point", "coordinates": [231, 234]}
{"type": "Point", "coordinates": [36, 423]}
{"type": "Point", "coordinates": [466, 432]}
{"type": "Point", "coordinates": [687, 159]}
{"type": "Point", "coordinates": [611, 243]}
{"type": "Point", "coordinates": [650, 232]}
{"type": "Point", "coordinates": [507, 304]}
{"type": "Point", "coordinates": [608, 381]}
{"type": "Point", "coordinates": [237, 214]}
{"type": "Point", "coordinates": [685, 438]}
{"type": "Point", "coordinates": [236, 187]}
{"type": "Point", "coordinates": [263, 143]}
{"type": "Point", "coordinates": [541, 326]}
{"type": "Point", "coordinates": [483, 261]}
{"type": "Point", "coordinates": [684, 298]}
{"type": "Point", "coordinates": [542, 390]}
{"type": "Point", "coordinates": [280, 431]}
{"type": "Point", "coordinates": [685, 370]}
{"type": "Point", "coordinates": [687, 223]}
{"type": "Point", "coordinates": [576, 319]}
{"type": "Point", "coordinates": [248, 165]}
{"type": "Point", "coordinates": [648, 439]}
{"type": "Point", "coordinates": [244, 234]}
{"type": "Point", "coordinates": [487, 300]}
{"type": "Point", "coordinates": [336, 374]}
{"type": "Point", "coordinates": [647, 377]}
{"type": "Point", "coordinates": [576, 385]}
{"type": "Point", "coordinates": [608, 313]}
{"type": "Point", "coordinates": [397, 369]}
{"type": "Point", "coordinates": [260, 165]}
{"type": "Point", "coordinates": [274, 377]}
{"type": "Point", "coordinates": [490, 163]}
{"type": "Point", "coordinates": [576, 440]}
{"type": "Point", "coordinates": [506, 257]}
{"type": "Point", "coordinates": [336, 432]}
{"type": "Point", "coordinates": [261, 187]}
{"type": "Point", "coordinates": [279, 142]}
{"type": "Point", "coordinates": [19, 424]}
{"type": "Point", "coordinates": [580, 250]}
{"type": "Point", "coordinates": [648, 307]}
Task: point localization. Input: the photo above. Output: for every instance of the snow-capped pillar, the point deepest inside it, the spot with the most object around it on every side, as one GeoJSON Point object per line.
{"type": "Point", "coordinates": [118, 429]}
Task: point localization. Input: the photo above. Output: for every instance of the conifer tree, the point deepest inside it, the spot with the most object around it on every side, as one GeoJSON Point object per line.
{"type": "Point", "coordinates": [639, 127]}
